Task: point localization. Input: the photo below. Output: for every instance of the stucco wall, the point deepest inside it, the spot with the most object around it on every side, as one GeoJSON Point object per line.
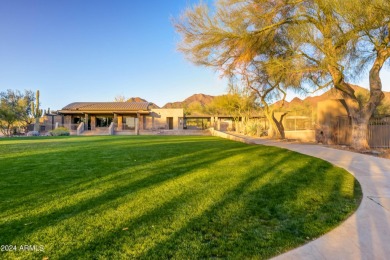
{"type": "Point", "coordinates": [328, 112]}
{"type": "Point", "coordinates": [159, 118]}
{"type": "Point", "coordinates": [302, 135]}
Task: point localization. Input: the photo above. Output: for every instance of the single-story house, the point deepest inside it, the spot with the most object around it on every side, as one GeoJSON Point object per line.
{"type": "Point", "coordinates": [128, 118]}
{"type": "Point", "coordinates": [123, 116]}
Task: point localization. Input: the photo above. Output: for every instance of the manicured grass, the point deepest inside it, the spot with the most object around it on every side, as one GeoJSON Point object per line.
{"type": "Point", "coordinates": [120, 197]}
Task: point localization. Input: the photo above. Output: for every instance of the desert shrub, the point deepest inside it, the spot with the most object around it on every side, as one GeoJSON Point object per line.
{"type": "Point", "coordinates": [254, 128]}
{"type": "Point", "coordinates": [60, 131]}
{"type": "Point", "coordinates": [33, 133]}
{"type": "Point", "coordinates": [251, 128]}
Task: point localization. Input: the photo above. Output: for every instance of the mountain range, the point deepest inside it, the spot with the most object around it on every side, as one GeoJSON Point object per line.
{"type": "Point", "coordinates": [194, 100]}
{"type": "Point", "coordinates": [201, 100]}
{"type": "Point", "coordinates": [138, 99]}
{"type": "Point", "coordinates": [312, 101]}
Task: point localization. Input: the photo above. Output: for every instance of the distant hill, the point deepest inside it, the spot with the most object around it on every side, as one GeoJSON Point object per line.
{"type": "Point", "coordinates": [192, 101]}
{"type": "Point", "coordinates": [330, 94]}
{"type": "Point", "coordinates": [310, 101]}
{"type": "Point", "coordinates": [138, 99]}
{"type": "Point", "coordinates": [196, 102]}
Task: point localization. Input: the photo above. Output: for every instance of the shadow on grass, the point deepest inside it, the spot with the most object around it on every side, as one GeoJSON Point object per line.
{"type": "Point", "coordinates": [165, 217]}
{"type": "Point", "coordinates": [17, 228]}
{"type": "Point", "coordinates": [256, 213]}
{"type": "Point", "coordinates": [102, 166]}
{"type": "Point", "coordinates": [87, 159]}
{"type": "Point", "coordinates": [43, 146]}
{"type": "Point", "coordinates": [272, 219]}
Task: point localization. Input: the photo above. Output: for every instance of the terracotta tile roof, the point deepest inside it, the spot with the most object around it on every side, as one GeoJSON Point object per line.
{"type": "Point", "coordinates": [107, 106]}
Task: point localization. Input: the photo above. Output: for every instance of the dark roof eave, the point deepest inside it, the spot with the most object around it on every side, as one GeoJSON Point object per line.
{"type": "Point", "coordinates": [101, 112]}
{"type": "Point", "coordinates": [110, 106]}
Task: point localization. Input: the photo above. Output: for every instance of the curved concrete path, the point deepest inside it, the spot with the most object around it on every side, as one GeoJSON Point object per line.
{"type": "Point", "coordinates": [364, 235]}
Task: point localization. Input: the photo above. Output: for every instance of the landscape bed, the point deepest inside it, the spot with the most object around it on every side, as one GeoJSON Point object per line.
{"type": "Point", "coordinates": [111, 197]}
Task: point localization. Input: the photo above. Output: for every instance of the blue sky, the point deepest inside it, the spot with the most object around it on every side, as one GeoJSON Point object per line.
{"type": "Point", "coordinates": [92, 50]}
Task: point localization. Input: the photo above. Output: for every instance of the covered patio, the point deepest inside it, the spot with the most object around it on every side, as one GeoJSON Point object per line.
{"type": "Point", "coordinates": [100, 116]}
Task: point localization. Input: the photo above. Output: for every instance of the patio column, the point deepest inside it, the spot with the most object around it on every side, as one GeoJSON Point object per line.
{"type": "Point", "coordinates": [137, 125]}
{"type": "Point", "coordinates": [86, 122]}
{"type": "Point", "coordinates": [93, 122]}
{"type": "Point", "coordinates": [120, 123]}
{"type": "Point", "coordinates": [115, 120]}
{"type": "Point", "coordinates": [143, 120]}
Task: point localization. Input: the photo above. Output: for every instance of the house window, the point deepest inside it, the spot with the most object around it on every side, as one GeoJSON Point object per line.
{"type": "Point", "coordinates": [103, 121]}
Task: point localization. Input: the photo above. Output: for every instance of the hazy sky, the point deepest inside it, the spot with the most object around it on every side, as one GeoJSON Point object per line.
{"type": "Point", "coordinates": [92, 50]}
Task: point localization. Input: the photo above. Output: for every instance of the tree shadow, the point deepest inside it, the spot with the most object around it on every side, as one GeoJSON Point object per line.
{"type": "Point", "coordinates": [258, 229]}
{"type": "Point", "coordinates": [17, 228]}
{"type": "Point", "coordinates": [71, 168]}
{"type": "Point", "coordinates": [255, 211]}
{"type": "Point", "coordinates": [140, 232]}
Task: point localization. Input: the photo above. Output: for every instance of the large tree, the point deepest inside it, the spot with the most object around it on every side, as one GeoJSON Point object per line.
{"type": "Point", "coordinates": [238, 103]}
{"type": "Point", "coordinates": [281, 44]}
{"type": "Point", "coordinates": [120, 98]}
{"type": "Point", "coordinates": [342, 39]}
{"type": "Point", "coordinates": [245, 40]}
{"type": "Point", "coordinates": [15, 110]}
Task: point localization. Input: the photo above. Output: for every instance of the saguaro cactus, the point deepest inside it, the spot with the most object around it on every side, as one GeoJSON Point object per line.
{"type": "Point", "coordinates": [36, 111]}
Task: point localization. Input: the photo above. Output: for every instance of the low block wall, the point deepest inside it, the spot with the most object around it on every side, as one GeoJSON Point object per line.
{"type": "Point", "coordinates": [303, 135]}
{"type": "Point", "coordinates": [229, 136]}
{"type": "Point", "coordinates": [185, 132]}
{"type": "Point", "coordinates": [176, 132]}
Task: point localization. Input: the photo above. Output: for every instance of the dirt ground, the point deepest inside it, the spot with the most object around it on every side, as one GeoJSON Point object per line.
{"type": "Point", "coordinates": [377, 152]}
{"type": "Point", "coordinates": [387, 155]}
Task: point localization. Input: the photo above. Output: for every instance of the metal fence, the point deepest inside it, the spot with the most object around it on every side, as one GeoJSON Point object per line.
{"type": "Point", "coordinates": [196, 123]}
{"type": "Point", "coordinates": [378, 132]}
{"type": "Point", "coordinates": [299, 120]}
{"type": "Point", "coordinates": [342, 131]}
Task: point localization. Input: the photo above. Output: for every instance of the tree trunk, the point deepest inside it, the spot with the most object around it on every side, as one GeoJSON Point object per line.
{"type": "Point", "coordinates": [8, 131]}
{"type": "Point", "coordinates": [361, 114]}
{"type": "Point", "coordinates": [276, 129]}
{"type": "Point", "coordinates": [36, 125]}
{"type": "Point", "coordinates": [359, 131]}
{"type": "Point", "coordinates": [361, 117]}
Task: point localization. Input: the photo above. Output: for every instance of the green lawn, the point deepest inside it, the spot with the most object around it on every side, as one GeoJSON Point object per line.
{"type": "Point", "coordinates": [120, 197]}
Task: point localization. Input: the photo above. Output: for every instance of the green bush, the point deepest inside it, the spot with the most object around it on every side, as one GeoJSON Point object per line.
{"type": "Point", "coordinates": [60, 131]}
